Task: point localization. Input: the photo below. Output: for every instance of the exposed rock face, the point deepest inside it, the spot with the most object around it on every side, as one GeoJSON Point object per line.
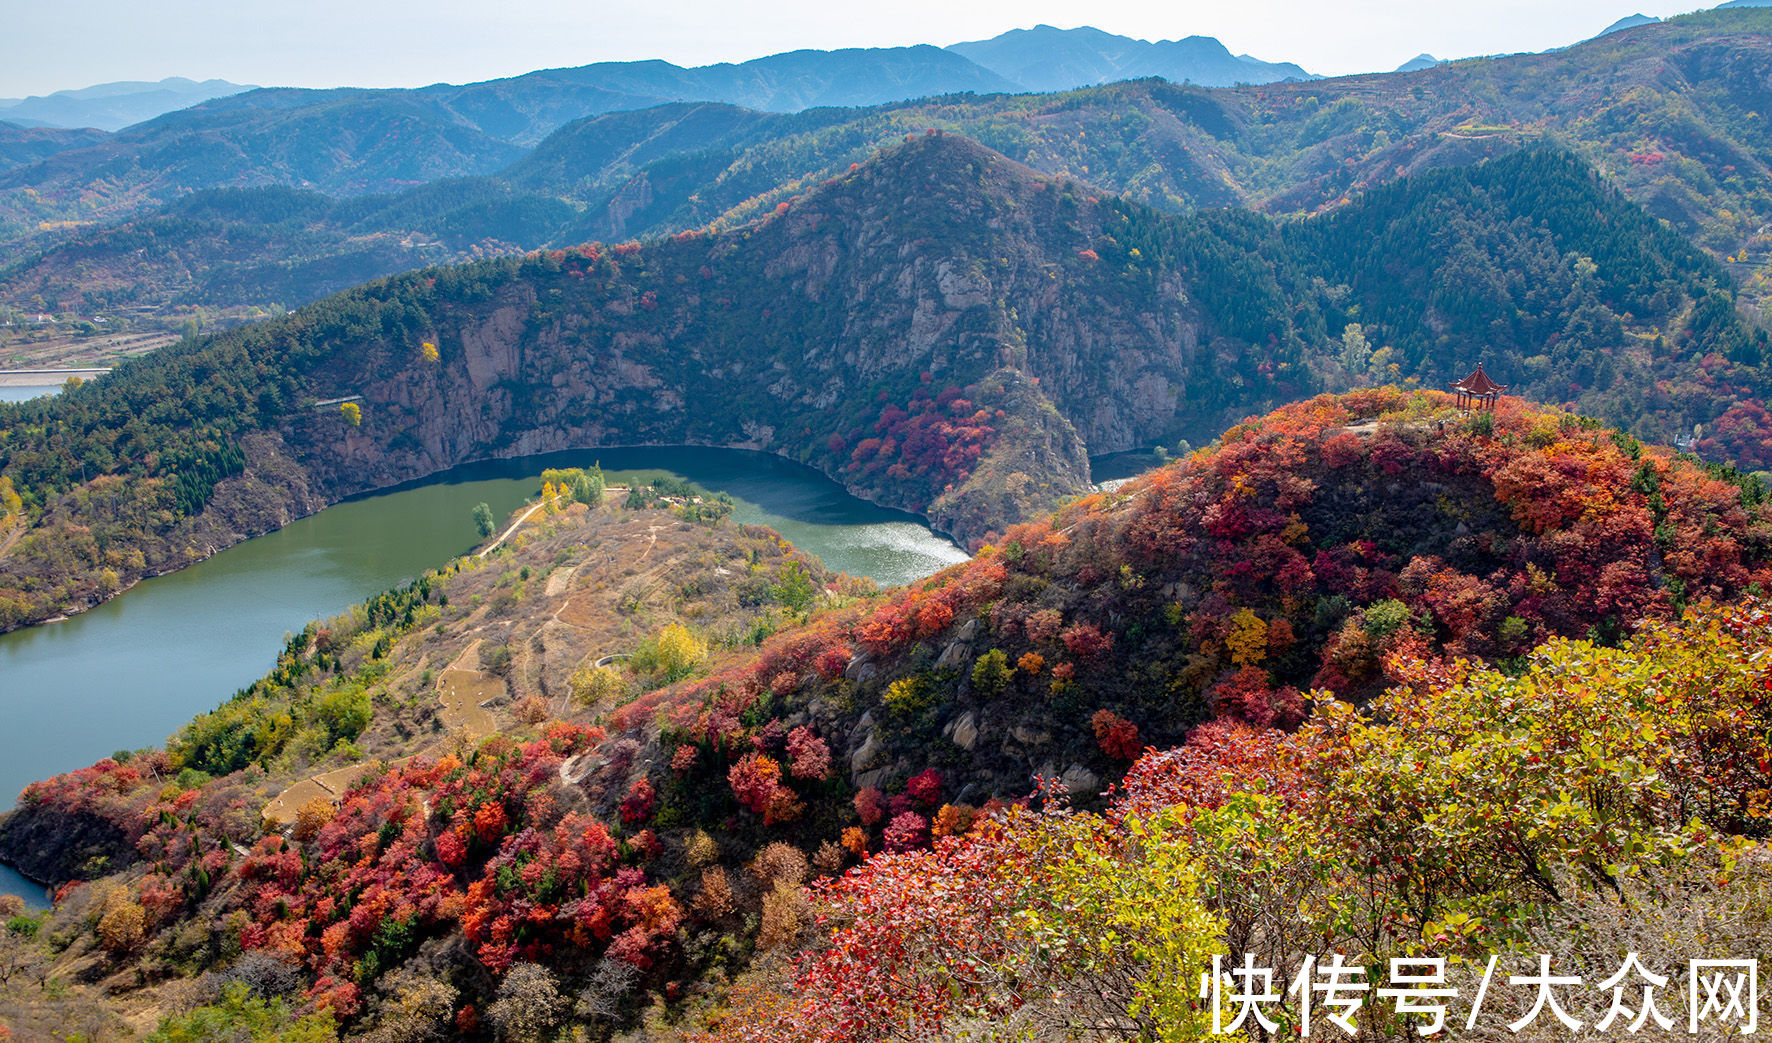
{"type": "Point", "coordinates": [940, 264]}
{"type": "Point", "coordinates": [964, 730]}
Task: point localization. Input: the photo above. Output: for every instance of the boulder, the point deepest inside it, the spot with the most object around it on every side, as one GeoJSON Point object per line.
{"type": "Point", "coordinates": [963, 730]}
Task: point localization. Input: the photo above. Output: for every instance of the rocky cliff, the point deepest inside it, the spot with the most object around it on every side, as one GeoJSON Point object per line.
{"type": "Point", "coordinates": [942, 265]}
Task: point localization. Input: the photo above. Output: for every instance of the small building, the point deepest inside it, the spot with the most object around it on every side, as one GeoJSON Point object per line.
{"type": "Point", "coordinates": [1477, 391]}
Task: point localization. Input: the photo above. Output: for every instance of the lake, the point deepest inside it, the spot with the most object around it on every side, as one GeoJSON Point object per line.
{"type": "Point", "coordinates": [23, 394]}
{"type": "Point", "coordinates": [1118, 467]}
{"type": "Point", "coordinates": [132, 671]}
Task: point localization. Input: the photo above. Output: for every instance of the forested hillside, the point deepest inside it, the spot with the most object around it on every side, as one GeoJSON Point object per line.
{"type": "Point", "coordinates": [225, 249]}
{"type": "Point", "coordinates": [940, 329]}
{"type": "Point", "coordinates": [23, 146]}
{"type": "Point", "coordinates": [636, 836]}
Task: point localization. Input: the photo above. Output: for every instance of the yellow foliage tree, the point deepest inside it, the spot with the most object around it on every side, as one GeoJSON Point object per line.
{"type": "Point", "coordinates": [311, 816]}
{"type": "Point", "coordinates": [352, 413]}
{"type": "Point", "coordinates": [121, 922]}
{"type": "Point", "coordinates": [701, 849]}
{"type": "Point", "coordinates": [1246, 639]}
{"type": "Point", "coordinates": [785, 911]}
{"type": "Point", "coordinates": [1133, 918]}
{"type": "Point", "coordinates": [429, 351]}
{"type": "Point", "coordinates": [597, 685]}
{"type": "Point", "coordinates": [679, 651]}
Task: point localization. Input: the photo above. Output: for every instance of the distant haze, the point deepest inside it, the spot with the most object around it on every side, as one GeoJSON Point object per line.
{"type": "Point", "coordinates": [376, 43]}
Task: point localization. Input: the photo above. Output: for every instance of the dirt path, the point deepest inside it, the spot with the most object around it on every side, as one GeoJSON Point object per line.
{"type": "Point", "coordinates": [329, 786]}
{"type": "Point", "coordinates": [461, 690]}
{"type": "Point", "coordinates": [506, 534]}
{"type": "Point", "coordinates": [538, 505]}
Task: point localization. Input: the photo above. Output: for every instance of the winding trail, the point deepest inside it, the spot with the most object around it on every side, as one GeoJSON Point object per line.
{"type": "Point", "coordinates": [538, 505]}
{"type": "Point", "coordinates": [461, 690]}
{"type": "Point", "coordinates": [514, 527]}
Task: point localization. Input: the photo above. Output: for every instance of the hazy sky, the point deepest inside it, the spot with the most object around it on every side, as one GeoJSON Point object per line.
{"type": "Point", "coordinates": [73, 43]}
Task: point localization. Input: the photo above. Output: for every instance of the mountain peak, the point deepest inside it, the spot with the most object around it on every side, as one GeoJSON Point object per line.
{"type": "Point", "coordinates": [1046, 58]}
{"type": "Point", "coordinates": [936, 158]}
{"type": "Point", "coordinates": [1630, 22]}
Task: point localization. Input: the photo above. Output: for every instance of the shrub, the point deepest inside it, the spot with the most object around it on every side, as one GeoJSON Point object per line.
{"type": "Point", "coordinates": [992, 673]}
{"type": "Point", "coordinates": [811, 758]}
{"type": "Point", "coordinates": [925, 787]}
{"type": "Point", "coordinates": [780, 863]}
{"type": "Point", "coordinates": [714, 899]}
{"type": "Point", "coordinates": [532, 709]}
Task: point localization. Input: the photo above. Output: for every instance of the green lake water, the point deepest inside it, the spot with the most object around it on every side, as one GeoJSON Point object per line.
{"type": "Point", "coordinates": [132, 671]}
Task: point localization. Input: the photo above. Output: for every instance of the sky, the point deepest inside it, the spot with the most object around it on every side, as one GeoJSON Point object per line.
{"type": "Point", "coordinates": [396, 43]}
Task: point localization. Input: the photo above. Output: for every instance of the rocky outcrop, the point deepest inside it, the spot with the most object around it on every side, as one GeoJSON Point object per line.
{"type": "Point", "coordinates": [53, 847]}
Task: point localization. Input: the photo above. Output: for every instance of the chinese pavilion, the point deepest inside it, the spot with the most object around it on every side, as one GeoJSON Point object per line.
{"type": "Point", "coordinates": [1477, 391]}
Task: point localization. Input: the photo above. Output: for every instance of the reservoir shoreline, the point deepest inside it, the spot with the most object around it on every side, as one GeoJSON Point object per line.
{"type": "Point", "coordinates": [135, 669]}
{"type": "Point", "coordinates": [15, 378]}
{"type": "Point", "coordinates": [442, 476]}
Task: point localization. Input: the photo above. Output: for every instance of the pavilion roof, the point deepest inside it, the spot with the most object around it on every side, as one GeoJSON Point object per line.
{"type": "Point", "coordinates": [1478, 383]}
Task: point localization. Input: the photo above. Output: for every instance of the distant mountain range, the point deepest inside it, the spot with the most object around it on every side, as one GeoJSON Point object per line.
{"type": "Point", "coordinates": [278, 196]}
{"type": "Point", "coordinates": [351, 141]}
{"type": "Point", "coordinates": [113, 106]}
{"type": "Point", "coordinates": [23, 146]}
{"type": "Point", "coordinates": [200, 211]}
{"type": "Point", "coordinates": [1045, 58]}
{"type": "Point", "coordinates": [524, 109]}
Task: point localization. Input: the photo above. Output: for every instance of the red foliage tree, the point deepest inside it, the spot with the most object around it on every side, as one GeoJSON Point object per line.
{"type": "Point", "coordinates": [637, 806]}
{"type": "Point", "coordinates": [870, 805]}
{"type": "Point", "coordinates": [1117, 736]}
{"type": "Point", "coordinates": [811, 758]}
{"type": "Point", "coordinates": [925, 787]}
{"type": "Point", "coordinates": [906, 831]}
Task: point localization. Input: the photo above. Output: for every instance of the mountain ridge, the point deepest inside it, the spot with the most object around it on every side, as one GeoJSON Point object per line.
{"type": "Point", "coordinates": [113, 106]}
{"type": "Point", "coordinates": [1046, 58]}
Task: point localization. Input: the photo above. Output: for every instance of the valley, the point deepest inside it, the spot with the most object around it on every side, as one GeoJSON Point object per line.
{"type": "Point", "coordinates": [941, 330]}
